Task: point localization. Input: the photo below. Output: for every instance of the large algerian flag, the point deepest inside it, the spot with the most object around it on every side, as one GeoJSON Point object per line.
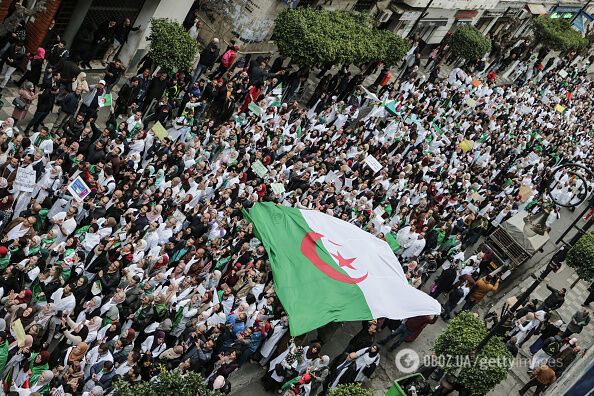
{"type": "Point", "coordinates": [327, 270]}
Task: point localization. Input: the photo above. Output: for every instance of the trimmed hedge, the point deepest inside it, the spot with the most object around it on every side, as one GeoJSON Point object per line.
{"type": "Point", "coordinates": [557, 34]}
{"type": "Point", "coordinates": [171, 47]}
{"type": "Point", "coordinates": [455, 346]}
{"type": "Point", "coordinates": [311, 37]}
{"type": "Point", "coordinates": [469, 43]}
{"type": "Point", "coordinates": [581, 257]}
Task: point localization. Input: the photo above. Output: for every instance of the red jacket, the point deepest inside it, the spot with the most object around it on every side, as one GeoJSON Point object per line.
{"type": "Point", "coordinates": [416, 324]}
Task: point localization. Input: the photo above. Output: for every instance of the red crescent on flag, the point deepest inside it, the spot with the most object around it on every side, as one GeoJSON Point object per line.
{"type": "Point", "coordinates": [308, 249]}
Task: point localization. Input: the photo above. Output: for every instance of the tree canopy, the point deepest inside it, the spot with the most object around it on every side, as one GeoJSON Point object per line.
{"type": "Point", "coordinates": [167, 383]}
{"type": "Point", "coordinates": [312, 36]}
{"type": "Point", "coordinates": [469, 43]}
{"type": "Point", "coordinates": [350, 390]}
{"type": "Point", "coordinates": [171, 46]}
{"type": "Point", "coordinates": [557, 34]}
{"type": "Point", "coordinates": [455, 346]}
{"type": "Point", "coordinates": [581, 257]}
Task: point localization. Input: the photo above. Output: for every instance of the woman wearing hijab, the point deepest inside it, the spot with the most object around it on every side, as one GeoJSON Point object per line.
{"type": "Point", "coordinates": [81, 83]}
{"type": "Point", "coordinates": [154, 344]}
{"type": "Point", "coordinates": [27, 95]}
{"type": "Point", "coordinates": [357, 367]}
{"type": "Point", "coordinates": [40, 386]}
{"type": "Point", "coordinates": [49, 184]}
{"type": "Point", "coordinates": [37, 364]}
{"type": "Point", "coordinates": [94, 325]}
{"type": "Point", "coordinates": [18, 356]}
{"type": "Point", "coordinates": [34, 67]}
{"type": "Point", "coordinates": [76, 354]}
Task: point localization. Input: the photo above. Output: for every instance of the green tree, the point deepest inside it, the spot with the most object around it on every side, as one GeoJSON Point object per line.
{"type": "Point", "coordinates": [312, 36]}
{"type": "Point", "coordinates": [167, 383]}
{"type": "Point", "coordinates": [350, 390]}
{"type": "Point", "coordinates": [479, 373]}
{"type": "Point", "coordinates": [469, 43]}
{"type": "Point", "coordinates": [557, 34]}
{"type": "Point", "coordinates": [171, 46]}
{"type": "Point", "coordinates": [581, 257]}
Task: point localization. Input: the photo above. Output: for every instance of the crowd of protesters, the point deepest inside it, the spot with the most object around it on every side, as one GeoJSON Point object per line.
{"type": "Point", "coordinates": [157, 266]}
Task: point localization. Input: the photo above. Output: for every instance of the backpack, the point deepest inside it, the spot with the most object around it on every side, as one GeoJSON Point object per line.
{"type": "Point", "coordinates": [228, 58]}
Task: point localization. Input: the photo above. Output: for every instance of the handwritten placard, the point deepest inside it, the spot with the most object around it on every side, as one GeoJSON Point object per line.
{"type": "Point", "coordinates": [373, 163]}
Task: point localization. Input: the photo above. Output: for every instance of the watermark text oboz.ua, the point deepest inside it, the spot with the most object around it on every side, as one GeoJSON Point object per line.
{"type": "Point", "coordinates": [408, 361]}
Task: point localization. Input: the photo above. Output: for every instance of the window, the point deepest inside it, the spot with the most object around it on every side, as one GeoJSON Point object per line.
{"type": "Point", "coordinates": [364, 5]}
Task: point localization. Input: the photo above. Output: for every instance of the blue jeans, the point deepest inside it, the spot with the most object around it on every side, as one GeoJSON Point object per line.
{"type": "Point", "coordinates": [198, 72]}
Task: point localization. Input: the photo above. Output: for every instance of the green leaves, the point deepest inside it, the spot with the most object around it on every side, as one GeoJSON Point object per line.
{"type": "Point", "coordinates": [455, 346]}
{"type": "Point", "coordinates": [581, 257]}
{"type": "Point", "coordinates": [469, 43]}
{"type": "Point", "coordinates": [171, 47]}
{"type": "Point", "coordinates": [167, 383]}
{"type": "Point", "coordinates": [557, 34]}
{"type": "Point", "coordinates": [350, 390]}
{"type": "Point", "coordinates": [312, 36]}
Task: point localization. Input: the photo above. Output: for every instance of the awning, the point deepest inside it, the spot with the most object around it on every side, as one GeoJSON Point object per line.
{"type": "Point", "coordinates": [466, 14]}
{"type": "Point", "coordinates": [537, 9]}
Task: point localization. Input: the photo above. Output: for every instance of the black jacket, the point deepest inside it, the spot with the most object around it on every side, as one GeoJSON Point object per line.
{"type": "Point", "coordinates": [14, 57]}
{"type": "Point", "coordinates": [209, 55]}
{"type": "Point", "coordinates": [46, 101]}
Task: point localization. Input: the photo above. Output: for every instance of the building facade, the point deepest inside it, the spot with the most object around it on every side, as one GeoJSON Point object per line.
{"type": "Point", "coordinates": [250, 22]}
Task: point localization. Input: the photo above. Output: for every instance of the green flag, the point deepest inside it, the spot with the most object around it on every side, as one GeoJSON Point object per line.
{"type": "Point", "coordinates": [254, 108]}
{"type": "Point", "coordinates": [105, 100]}
{"type": "Point", "coordinates": [278, 90]}
{"type": "Point", "coordinates": [327, 270]}
{"type": "Point", "coordinates": [391, 239]}
{"type": "Point", "coordinates": [391, 107]}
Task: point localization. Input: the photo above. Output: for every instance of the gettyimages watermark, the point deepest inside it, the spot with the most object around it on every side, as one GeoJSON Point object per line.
{"type": "Point", "coordinates": [408, 361]}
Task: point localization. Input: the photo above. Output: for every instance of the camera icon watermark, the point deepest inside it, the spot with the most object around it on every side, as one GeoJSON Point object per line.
{"type": "Point", "coordinates": [407, 361]}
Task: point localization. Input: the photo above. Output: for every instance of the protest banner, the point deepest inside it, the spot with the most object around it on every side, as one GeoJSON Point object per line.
{"type": "Point", "coordinates": [379, 211]}
{"type": "Point", "coordinates": [278, 188]}
{"type": "Point", "coordinates": [19, 332]}
{"type": "Point", "coordinates": [278, 90]}
{"type": "Point", "coordinates": [159, 130]}
{"type": "Point", "coordinates": [373, 163]}
{"type": "Point", "coordinates": [466, 145]}
{"type": "Point", "coordinates": [25, 179]}
{"type": "Point", "coordinates": [259, 168]}
{"type": "Point", "coordinates": [254, 108]}
{"type": "Point", "coordinates": [79, 189]}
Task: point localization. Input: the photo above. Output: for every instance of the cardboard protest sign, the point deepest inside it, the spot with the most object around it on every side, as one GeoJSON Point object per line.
{"type": "Point", "coordinates": [373, 163]}
{"type": "Point", "coordinates": [278, 188]}
{"type": "Point", "coordinates": [79, 189]}
{"type": "Point", "coordinates": [259, 169]}
{"type": "Point", "coordinates": [25, 179]}
{"type": "Point", "coordinates": [466, 145]}
{"type": "Point", "coordinates": [19, 332]}
{"type": "Point", "coordinates": [159, 130]}
{"type": "Point", "coordinates": [254, 108]}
